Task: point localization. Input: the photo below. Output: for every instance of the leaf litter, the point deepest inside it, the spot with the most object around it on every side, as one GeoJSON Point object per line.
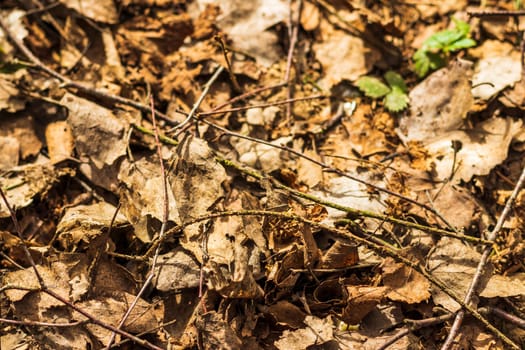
{"type": "Point", "coordinates": [296, 208]}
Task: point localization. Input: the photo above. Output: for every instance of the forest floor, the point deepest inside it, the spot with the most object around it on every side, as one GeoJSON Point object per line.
{"type": "Point", "coordinates": [305, 174]}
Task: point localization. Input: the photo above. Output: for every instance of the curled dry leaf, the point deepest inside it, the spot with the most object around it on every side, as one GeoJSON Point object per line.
{"type": "Point", "coordinates": [361, 301]}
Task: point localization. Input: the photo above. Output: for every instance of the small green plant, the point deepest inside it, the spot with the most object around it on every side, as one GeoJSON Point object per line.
{"type": "Point", "coordinates": [435, 50]}
{"type": "Point", "coordinates": [395, 93]}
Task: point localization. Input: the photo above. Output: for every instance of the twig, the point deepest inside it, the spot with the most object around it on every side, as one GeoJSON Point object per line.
{"type": "Point", "coordinates": [491, 13]}
{"type": "Point", "coordinates": [476, 279]}
{"type": "Point", "coordinates": [496, 311]}
{"type": "Point", "coordinates": [293, 32]}
{"type": "Point", "coordinates": [41, 324]}
{"type": "Point", "coordinates": [415, 325]}
{"type": "Point", "coordinates": [251, 172]}
{"type": "Point", "coordinates": [96, 321]}
{"type": "Point", "coordinates": [165, 218]}
{"type": "Point", "coordinates": [18, 231]}
{"type": "Point", "coordinates": [197, 104]}
{"type": "Point", "coordinates": [262, 105]}
{"type": "Point", "coordinates": [245, 95]}
{"type": "Point", "coordinates": [233, 79]}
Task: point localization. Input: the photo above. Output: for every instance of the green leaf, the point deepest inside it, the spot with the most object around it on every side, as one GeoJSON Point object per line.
{"type": "Point", "coordinates": [433, 53]}
{"type": "Point", "coordinates": [396, 100]}
{"type": "Point", "coordinates": [372, 87]}
{"type": "Point", "coordinates": [395, 81]}
{"type": "Point", "coordinates": [421, 63]}
{"type": "Point", "coordinates": [464, 43]}
{"type": "Point", "coordinates": [442, 39]}
{"type": "Point", "coordinates": [424, 62]}
{"type": "Point", "coordinates": [461, 26]}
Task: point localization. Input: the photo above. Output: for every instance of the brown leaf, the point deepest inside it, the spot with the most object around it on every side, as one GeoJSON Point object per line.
{"type": "Point", "coordinates": [405, 284]}
{"type": "Point", "coordinates": [339, 255]}
{"type": "Point", "coordinates": [287, 314]}
{"type": "Point", "coordinates": [362, 300]}
{"type": "Point", "coordinates": [319, 331]}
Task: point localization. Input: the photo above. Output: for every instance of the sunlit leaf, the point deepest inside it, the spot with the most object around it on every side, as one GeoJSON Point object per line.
{"type": "Point", "coordinates": [372, 87]}
{"type": "Point", "coordinates": [396, 100]}
{"type": "Point", "coordinates": [395, 81]}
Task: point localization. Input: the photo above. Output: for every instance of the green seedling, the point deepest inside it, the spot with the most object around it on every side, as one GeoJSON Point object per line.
{"type": "Point", "coordinates": [394, 94]}
{"type": "Point", "coordinates": [436, 49]}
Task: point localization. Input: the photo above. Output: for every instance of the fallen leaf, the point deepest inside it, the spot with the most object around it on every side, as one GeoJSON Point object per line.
{"type": "Point", "coordinates": [405, 284]}
{"type": "Point", "coordinates": [100, 11]}
{"type": "Point", "coordinates": [455, 263]}
{"type": "Point", "coordinates": [451, 100]}
{"type": "Point", "coordinates": [319, 331]}
{"type": "Point", "coordinates": [494, 74]}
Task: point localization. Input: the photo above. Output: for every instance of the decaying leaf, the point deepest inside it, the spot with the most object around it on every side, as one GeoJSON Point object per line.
{"type": "Point", "coordinates": [248, 23]}
{"type": "Point", "coordinates": [99, 139]}
{"type": "Point", "coordinates": [451, 100]}
{"type": "Point", "coordinates": [101, 11]}
{"type": "Point", "coordinates": [59, 140]}
{"type": "Point", "coordinates": [142, 194]}
{"type": "Point", "coordinates": [319, 331]}
{"type": "Point", "coordinates": [493, 74]}
{"type": "Point", "coordinates": [405, 284]}
{"type": "Point", "coordinates": [28, 182]}
{"type": "Point", "coordinates": [361, 301]}
{"type": "Point", "coordinates": [455, 263]}
{"type": "Point", "coordinates": [176, 270]}
{"type": "Point", "coordinates": [85, 222]}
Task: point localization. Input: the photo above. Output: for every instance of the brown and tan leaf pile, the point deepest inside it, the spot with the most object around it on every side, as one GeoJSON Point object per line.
{"type": "Point", "coordinates": [291, 212]}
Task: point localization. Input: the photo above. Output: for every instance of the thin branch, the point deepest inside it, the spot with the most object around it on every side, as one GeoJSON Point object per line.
{"type": "Point", "coordinates": [476, 279]}
{"type": "Point", "coordinates": [415, 325]}
{"type": "Point", "coordinates": [355, 212]}
{"type": "Point", "coordinates": [246, 95]}
{"type": "Point", "coordinates": [262, 105]}
{"type": "Point", "coordinates": [18, 230]}
{"type": "Point", "coordinates": [103, 324]}
{"type": "Point", "coordinates": [197, 104]}
{"type": "Point", "coordinates": [41, 324]}
{"type": "Point", "coordinates": [293, 33]}
{"type": "Point", "coordinates": [233, 79]}
{"type": "Point", "coordinates": [496, 311]}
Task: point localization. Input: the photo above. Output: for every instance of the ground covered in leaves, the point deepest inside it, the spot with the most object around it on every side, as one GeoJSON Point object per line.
{"type": "Point", "coordinates": [306, 174]}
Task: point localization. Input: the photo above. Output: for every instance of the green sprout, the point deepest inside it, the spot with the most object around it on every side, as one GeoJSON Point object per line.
{"type": "Point", "coordinates": [436, 49]}
{"type": "Point", "coordinates": [394, 94]}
